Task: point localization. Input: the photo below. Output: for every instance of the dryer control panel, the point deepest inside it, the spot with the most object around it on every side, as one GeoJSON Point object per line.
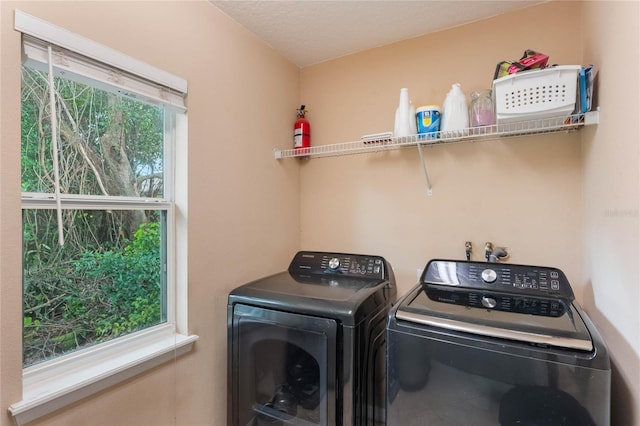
{"type": "Point", "coordinates": [340, 264]}
{"type": "Point", "coordinates": [537, 281]}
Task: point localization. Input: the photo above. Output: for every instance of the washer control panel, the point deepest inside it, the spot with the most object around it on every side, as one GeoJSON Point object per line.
{"type": "Point", "coordinates": [543, 306]}
{"type": "Point", "coordinates": [351, 265]}
{"type": "Point", "coordinates": [502, 277]}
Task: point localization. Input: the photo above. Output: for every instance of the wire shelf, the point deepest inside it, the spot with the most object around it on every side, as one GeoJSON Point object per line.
{"type": "Point", "coordinates": [497, 131]}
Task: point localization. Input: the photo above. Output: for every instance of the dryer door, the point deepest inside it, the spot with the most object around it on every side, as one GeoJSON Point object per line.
{"type": "Point", "coordinates": [283, 368]}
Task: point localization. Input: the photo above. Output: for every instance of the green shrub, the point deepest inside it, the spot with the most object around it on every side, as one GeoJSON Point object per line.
{"type": "Point", "coordinates": [100, 295]}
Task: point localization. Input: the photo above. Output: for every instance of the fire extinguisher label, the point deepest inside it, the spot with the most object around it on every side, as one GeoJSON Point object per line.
{"type": "Point", "coordinates": [297, 138]}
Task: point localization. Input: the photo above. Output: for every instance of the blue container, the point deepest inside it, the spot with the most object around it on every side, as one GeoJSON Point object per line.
{"type": "Point", "coordinates": [428, 119]}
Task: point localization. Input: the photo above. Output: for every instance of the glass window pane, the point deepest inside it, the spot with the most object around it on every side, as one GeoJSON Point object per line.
{"type": "Point", "coordinates": [106, 281]}
{"type": "Point", "coordinates": [107, 144]}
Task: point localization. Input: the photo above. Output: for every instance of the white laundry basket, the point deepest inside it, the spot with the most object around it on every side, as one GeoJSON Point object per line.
{"type": "Point", "coordinates": [536, 94]}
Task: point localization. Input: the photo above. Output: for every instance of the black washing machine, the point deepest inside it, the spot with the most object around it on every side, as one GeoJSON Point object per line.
{"type": "Point", "coordinates": [494, 344]}
{"type": "Point", "coordinates": [307, 346]}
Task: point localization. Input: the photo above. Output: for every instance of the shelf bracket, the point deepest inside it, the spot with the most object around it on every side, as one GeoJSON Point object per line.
{"type": "Point", "coordinates": [592, 117]}
{"type": "Point", "coordinates": [424, 169]}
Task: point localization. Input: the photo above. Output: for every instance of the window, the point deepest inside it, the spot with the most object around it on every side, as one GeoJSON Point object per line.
{"type": "Point", "coordinates": [97, 270]}
{"type": "Point", "coordinates": [100, 147]}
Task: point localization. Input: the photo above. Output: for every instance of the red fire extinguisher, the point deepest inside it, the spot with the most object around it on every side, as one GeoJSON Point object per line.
{"type": "Point", "coordinates": [301, 131]}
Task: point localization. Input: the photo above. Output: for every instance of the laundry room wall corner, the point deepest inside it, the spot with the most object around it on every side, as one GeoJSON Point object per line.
{"type": "Point", "coordinates": [611, 184]}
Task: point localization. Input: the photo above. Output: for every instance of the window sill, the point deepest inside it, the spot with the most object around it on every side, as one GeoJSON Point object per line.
{"type": "Point", "coordinates": [52, 385]}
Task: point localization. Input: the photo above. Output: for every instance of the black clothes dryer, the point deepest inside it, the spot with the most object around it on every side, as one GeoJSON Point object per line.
{"type": "Point", "coordinates": [494, 344]}
{"type": "Point", "coordinates": [307, 346]}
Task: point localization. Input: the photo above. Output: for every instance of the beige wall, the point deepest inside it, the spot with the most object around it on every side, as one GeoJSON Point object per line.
{"type": "Point", "coordinates": [611, 183]}
{"type": "Point", "coordinates": [522, 193]}
{"type": "Point", "coordinates": [243, 205]}
{"type": "Point", "coordinates": [565, 200]}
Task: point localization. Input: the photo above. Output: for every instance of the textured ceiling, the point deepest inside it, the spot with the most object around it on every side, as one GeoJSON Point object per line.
{"type": "Point", "coordinates": [312, 31]}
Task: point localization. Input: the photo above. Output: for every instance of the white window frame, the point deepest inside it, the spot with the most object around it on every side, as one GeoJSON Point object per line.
{"type": "Point", "coordinates": [53, 384]}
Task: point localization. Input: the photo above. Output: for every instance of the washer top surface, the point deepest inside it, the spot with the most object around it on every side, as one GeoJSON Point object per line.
{"type": "Point", "coordinates": [335, 285]}
{"type": "Point", "coordinates": [515, 302]}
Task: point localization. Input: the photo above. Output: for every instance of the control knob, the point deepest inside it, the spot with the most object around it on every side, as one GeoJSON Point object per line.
{"type": "Point", "coordinates": [489, 275]}
{"type": "Point", "coordinates": [489, 302]}
{"type": "Point", "coordinates": [334, 263]}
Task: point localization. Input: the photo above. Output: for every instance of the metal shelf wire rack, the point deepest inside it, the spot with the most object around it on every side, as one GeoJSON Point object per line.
{"type": "Point", "coordinates": [497, 131]}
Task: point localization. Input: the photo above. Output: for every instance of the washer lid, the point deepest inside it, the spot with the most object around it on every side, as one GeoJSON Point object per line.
{"type": "Point", "coordinates": [545, 321]}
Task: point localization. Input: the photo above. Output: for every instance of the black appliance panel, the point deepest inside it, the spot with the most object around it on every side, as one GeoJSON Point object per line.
{"type": "Point", "coordinates": [508, 301]}
{"type": "Point", "coordinates": [536, 281]}
{"type": "Point", "coordinates": [275, 322]}
{"type": "Point", "coordinates": [330, 288]}
{"type": "Point", "coordinates": [439, 376]}
{"type": "Point", "coordinates": [338, 264]}
{"type": "Point", "coordinates": [494, 344]}
{"type": "Point", "coordinates": [289, 367]}
{"type": "Point", "coordinates": [567, 330]}
{"type": "Point", "coordinates": [309, 288]}
{"type": "Point", "coordinates": [497, 301]}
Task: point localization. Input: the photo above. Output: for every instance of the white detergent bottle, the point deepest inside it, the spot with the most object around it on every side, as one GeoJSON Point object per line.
{"type": "Point", "coordinates": [413, 124]}
{"type": "Point", "coordinates": [402, 125]}
{"type": "Point", "coordinates": [455, 113]}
